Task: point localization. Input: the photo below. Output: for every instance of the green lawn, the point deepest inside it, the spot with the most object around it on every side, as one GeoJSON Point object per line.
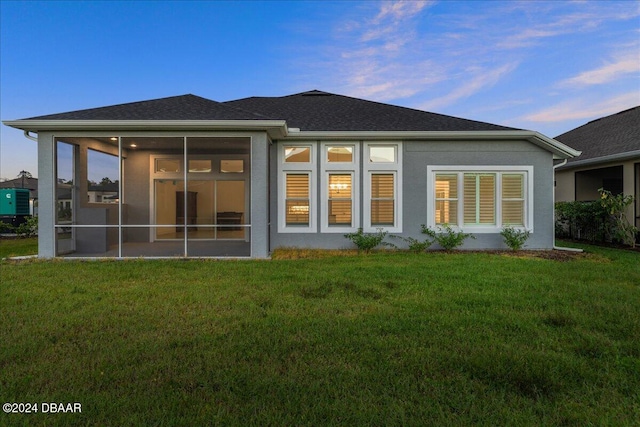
{"type": "Point", "coordinates": [18, 247]}
{"type": "Point", "coordinates": [381, 339]}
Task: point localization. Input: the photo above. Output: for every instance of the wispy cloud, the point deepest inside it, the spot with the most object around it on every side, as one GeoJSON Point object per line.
{"type": "Point", "coordinates": [480, 80]}
{"type": "Point", "coordinates": [578, 108]}
{"type": "Point", "coordinates": [620, 66]}
{"type": "Point", "coordinates": [491, 61]}
{"type": "Point", "coordinates": [375, 58]}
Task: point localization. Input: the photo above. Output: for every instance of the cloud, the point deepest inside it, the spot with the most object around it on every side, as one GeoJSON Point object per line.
{"type": "Point", "coordinates": [482, 80]}
{"type": "Point", "coordinates": [379, 57]}
{"type": "Point", "coordinates": [580, 108]}
{"type": "Point", "coordinates": [625, 64]}
{"type": "Point", "coordinates": [400, 9]}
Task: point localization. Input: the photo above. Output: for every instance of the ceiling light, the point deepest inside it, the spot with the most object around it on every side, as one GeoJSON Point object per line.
{"type": "Point", "coordinates": [113, 138]}
{"type": "Point", "coordinates": [133, 145]}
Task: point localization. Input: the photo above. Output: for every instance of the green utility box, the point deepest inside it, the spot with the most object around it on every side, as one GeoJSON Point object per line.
{"type": "Point", "coordinates": [14, 201]}
{"type": "Point", "coordinates": [14, 206]}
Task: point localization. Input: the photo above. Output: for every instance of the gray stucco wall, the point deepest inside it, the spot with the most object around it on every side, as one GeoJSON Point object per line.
{"type": "Point", "coordinates": [46, 194]}
{"type": "Point", "coordinates": [417, 155]}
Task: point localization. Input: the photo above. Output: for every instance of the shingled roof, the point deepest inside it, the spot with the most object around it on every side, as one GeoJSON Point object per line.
{"type": "Point", "coordinates": [321, 111]}
{"type": "Point", "coordinates": [183, 107]}
{"type": "Point", "coordinates": [309, 111]}
{"type": "Point", "coordinates": [611, 135]}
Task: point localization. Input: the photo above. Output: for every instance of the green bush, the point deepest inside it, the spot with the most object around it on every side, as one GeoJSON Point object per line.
{"type": "Point", "coordinates": [602, 220]}
{"type": "Point", "coordinates": [446, 236]}
{"type": "Point", "coordinates": [415, 245]}
{"type": "Point", "coordinates": [515, 238]}
{"type": "Point", "coordinates": [6, 228]}
{"type": "Point", "coordinates": [368, 241]}
{"type": "Point", "coordinates": [29, 228]}
{"type": "Point", "coordinates": [618, 227]}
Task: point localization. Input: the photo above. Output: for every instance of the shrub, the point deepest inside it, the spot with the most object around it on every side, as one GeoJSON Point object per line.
{"type": "Point", "coordinates": [580, 220]}
{"type": "Point", "coordinates": [601, 220]}
{"type": "Point", "coordinates": [415, 245]}
{"type": "Point", "coordinates": [29, 228]}
{"type": "Point", "coordinates": [515, 238]}
{"type": "Point", "coordinates": [6, 228]}
{"type": "Point", "coordinates": [446, 236]}
{"type": "Point", "coordinates": [367, 241]}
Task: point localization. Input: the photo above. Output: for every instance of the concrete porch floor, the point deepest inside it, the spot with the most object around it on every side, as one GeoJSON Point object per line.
{"type": "Point", "coordinates": [170, 249]}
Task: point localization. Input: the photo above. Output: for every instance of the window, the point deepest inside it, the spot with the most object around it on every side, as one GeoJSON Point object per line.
{"type": "Point", "coordinates": [382, 199]}
{"type": "Point", "coordinates": [297, 199]}
{"type": "Point", "coordinates": [480, 199]}
{"type": "Point", "coordinates": [340, 154]}
{"type": "Point", "coordinates": [339, 187]}
{"type": "Point", "coordinates": [200, 166]}
{"type": "Point", "coordinates": [167, 165]}
{"type": "Point", "coordinates": [383, 182]}
{"type": "Point", "coordinates": [296, 184]}
{"type": "Point", "coordinates": [382, 154]}
{"type": "Point", "coordinates": [513, 199]}
{"type": "Point", "coordinates": [446, 199]}
{"type": "Point", "coordinates": [340, 212]}
{"type": "Point", "coordinates": [231, 166]}
{"type": "Point", "coordinates": [297, 154]}
{"type": "Point", "coordinates": [103, 177]}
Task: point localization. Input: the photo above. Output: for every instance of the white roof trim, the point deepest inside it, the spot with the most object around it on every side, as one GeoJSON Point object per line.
{"type": "Point", "coordinates": [275, 128]}
{"type": "Point", "coordinates": [602, 159]}
{"type": "Point", "coordinates": [560, 150]}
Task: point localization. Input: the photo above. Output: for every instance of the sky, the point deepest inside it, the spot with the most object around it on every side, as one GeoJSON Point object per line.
{"type": "Point", "coordinates": [548, 66]}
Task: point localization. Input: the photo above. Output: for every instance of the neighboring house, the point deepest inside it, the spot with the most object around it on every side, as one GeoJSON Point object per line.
{"type": "Point", "coordinates": [29, 183]}
{"type": "Point", "coordinates": [610, 159]}
{"type": "Point", "coordinates": [103, 193]}
{"type": "Point", "coordinates": [241, 178]}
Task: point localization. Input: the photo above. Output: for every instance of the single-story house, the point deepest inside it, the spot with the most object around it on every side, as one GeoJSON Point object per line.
{"type": "Point", "coordinates": [201, 178]}
{"type": "Point", "coordinates": [610, 159]}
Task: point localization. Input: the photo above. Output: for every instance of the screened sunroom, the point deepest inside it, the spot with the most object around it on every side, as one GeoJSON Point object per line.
{"type": "Point", "coordinates": [152, 196]}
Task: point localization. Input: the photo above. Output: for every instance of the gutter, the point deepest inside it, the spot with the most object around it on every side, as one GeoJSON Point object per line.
{"type": "Point", "coordinates": [26, 135]}
{"type": "Point", "coordinates": [559, 248]}
{"type": "Point", "coordinates": [603, 159]}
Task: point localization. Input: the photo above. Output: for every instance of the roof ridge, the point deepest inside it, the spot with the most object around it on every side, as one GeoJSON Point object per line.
{"type": "Point", "coordinates": [317, 92]}
{"type": "Point", "coordinates": [628, 110]}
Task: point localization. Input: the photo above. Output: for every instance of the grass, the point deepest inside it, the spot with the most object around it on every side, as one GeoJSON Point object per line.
{"type": "Point", "coordinates": [18, 247]}
{"type": "Point", "coordinates": [382, 339]}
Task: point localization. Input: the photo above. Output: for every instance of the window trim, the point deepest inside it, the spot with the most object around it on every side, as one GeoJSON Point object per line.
{"type": "Point", "coordinates": [340, 168]}
{"type": "Point", "coordinates": [526, 171]}
{"type": "Point", "coordinates": [297, 167]}
{"type": "Point", "coordinates": [394, 168]}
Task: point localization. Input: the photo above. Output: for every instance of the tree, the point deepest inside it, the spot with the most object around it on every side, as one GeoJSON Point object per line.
{"type": "Point", "coordinates": [106, 180]}
{"type": "Point", "coordinates": [24, 174]}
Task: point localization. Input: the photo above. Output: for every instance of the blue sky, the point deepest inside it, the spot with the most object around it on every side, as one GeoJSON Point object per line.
{"type": "Point", "coordinates": [546, 66]}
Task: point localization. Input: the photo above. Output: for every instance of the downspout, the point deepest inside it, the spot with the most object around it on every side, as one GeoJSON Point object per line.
{"type": "Point", "coordinates": [559, 248]}
{"type": "Point", "coordinates": [33, 138]}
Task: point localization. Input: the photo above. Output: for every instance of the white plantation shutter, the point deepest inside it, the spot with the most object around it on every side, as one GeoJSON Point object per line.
{"type": "Point", "coordinates": [297, 199]}
{"type": "Point", "coordinates": [513, 199]}
{"type": "Point", "coordinates": [479, 199]}
{"type": "Point", "coordinates": [382, 199]}
{"type": "Point", "coordinates": [340, 199]}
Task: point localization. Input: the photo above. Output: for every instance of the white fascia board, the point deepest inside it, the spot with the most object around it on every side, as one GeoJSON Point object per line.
{"type": "Point", "coordinates": [559, 150]}
{"type": "Point", "coordinates": [275, 128]}
{"type": "Point", "coordinates": [603, 159]}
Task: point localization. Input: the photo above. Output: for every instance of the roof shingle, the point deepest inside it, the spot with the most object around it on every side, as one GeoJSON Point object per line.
{"type": "Point", "coordinates": [322, 111]}
{"type": "Point", "coordinates": [615, 134]}
{"type": "Point", "coordinates": [183, 107]}
{"type": "Point", "coordinates": [310, 111]}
